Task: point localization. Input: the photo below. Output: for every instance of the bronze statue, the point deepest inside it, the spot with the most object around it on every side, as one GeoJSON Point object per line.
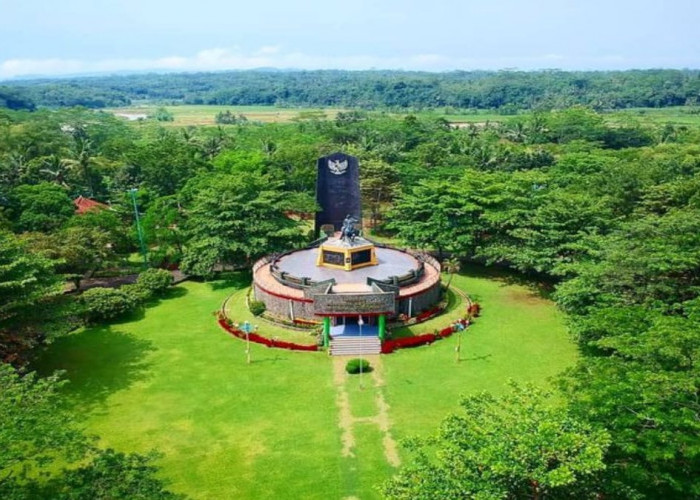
{"type": "Point", "coordinates": [348, 232]}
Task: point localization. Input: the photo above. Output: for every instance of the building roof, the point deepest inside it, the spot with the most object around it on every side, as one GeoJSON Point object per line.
{"type": "Point", "coordinates": [83, 205]}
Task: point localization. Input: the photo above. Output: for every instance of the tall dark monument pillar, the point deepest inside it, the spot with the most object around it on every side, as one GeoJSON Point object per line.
{"type": "Point", "coordinates": [337, 190]}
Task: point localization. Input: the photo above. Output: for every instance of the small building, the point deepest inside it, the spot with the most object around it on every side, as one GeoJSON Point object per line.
{"type": "Point", "coordinates": [83, 205]}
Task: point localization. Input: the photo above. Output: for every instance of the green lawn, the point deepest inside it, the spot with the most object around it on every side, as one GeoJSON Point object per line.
{"type": "Point", "coordinates": [172, 380]}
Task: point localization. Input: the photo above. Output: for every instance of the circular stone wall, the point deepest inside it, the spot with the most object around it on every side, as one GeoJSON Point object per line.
{"type": "Point", "coordinates": [418, 276]}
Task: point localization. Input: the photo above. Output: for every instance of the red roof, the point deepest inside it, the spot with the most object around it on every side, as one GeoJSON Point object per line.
{"type": "Point", "coordinates": [83, 205]}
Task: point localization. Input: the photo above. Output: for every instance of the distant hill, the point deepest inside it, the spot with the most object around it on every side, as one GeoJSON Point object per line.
{"type": "Point", "coordinates": [501, 90]}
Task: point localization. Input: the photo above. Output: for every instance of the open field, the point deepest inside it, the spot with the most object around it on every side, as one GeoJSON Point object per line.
{"type": "Point", "coordinates": [193, 115]}
{"type": "Point", "coordinates": [676, 115]}
{"type": "Point", "coordinates": [290, 424]}
{"type": "Point", "coordinates": [187, 115]}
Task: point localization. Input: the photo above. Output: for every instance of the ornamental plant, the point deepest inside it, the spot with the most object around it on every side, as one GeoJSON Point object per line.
{"type": "Point", "coordinates": [353, 366]}
{"type": "Point", "coordinates": [257, 307]}
{"type": "Point", "coordinates": [107, 303]}
{"type": "Point", "coordinates": [155, 280]}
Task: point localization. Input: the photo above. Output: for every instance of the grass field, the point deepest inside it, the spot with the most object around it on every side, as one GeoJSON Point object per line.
{"type": "Point", "coordinates": [290, 424]}
{"type": "Point", "coordinates": [676, 115]}
{"type": "Point", "coordinates": [187, 115]}
{"type": "Point", "coordinates": [193, 115]}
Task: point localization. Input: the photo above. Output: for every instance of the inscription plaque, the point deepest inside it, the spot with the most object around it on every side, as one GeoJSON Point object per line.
{"type": "Point", "coordinates": [354, 303]}
{"type": "Point", "coordinates": [333, 258]}
{"type": "Point", "coordinates": [361, 257]}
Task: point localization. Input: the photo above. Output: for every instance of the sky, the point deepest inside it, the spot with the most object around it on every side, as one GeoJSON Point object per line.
{"type": "Point", "coordinates": [52, 37]}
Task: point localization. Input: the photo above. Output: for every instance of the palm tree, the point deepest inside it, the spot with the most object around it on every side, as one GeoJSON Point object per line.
{"type": "Point", "coordinates": [13, 170]}
{"type": "Point", "coordinates": [56, 169]}
{"type": "Point", "coordinates": [451, 266]}
{"type": "Point", "coordinates": [82, 161]}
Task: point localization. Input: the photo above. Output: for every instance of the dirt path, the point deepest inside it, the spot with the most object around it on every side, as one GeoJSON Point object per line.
{"type": "Point", "coordinates": [346, 420]}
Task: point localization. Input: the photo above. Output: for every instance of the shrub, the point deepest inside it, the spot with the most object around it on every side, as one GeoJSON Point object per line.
{"type": "Point", "coordinates": [137, 292]}
{"type": "Point", "coordinates": [257, 307]}
{"type": "Point", "coordinates": [156, 281]}
{"type": "Point", "coordinates": [354, 365]}
{"type": "Point", "coordinates": [107, 303]}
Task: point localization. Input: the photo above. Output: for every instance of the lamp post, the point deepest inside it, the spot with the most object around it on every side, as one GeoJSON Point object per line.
{"type": "Point", "coordinates": [246, 329]}
{"type": "Point", "coordinates": [133, 191]}
{"type": "Point", "coordinates": [360, 323]}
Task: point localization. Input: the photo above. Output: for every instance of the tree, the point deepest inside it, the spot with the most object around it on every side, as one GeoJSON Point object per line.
{"type": "Point", "coordinates": [35, 428]}
{"type": "Point", "coordinates": [641, 383]}
{"type": "Point", "coordinates": [32, 307]}
{"type": "Point", "coordinates": [42, 207]}
{"type": "Point", "coordinates": [450, 266]}
{"type": "Point", "coordinates": [79, 251]}
{"type": "Point", "coordinates": [163, 228]}
{"type": "Point", "coordinates": [110, 475]}
{"type": "Point", "coordinates": [437, 214]}
{"type": "Point", "coordinates": [166, 164]}
{"type": "Point", "coordinates": [25, 278]}
{"type": "Point", "coordinates": [83, 161]}
{"type": "Point", "coordinates": [110, 222]}
{"type": "Point", "coordinates": [235, 219]}
{"type": "Point", "coordinates": [28, 284]}
{"type": "Point", "coordinates": [654, 260]}
{"type": "Point", "coordinates": [162, 115]}
{"type": "Point", "coordinates": [535, 227]}
{"type": "Point", "coordinates": [520, 445]}
{"type": "Point", "coordinates": [235, 161]}
{"type": "Point", "coordinates": [379, 184]}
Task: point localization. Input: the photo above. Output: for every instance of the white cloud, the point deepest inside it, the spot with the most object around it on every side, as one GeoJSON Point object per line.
{"type": "Point", "coordinates": [215, 59]}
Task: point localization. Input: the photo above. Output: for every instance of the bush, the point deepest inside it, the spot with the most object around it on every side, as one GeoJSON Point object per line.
{"type": "Point", "coordinates": [137, 292]}
{"type": "Point", "coordinates": [257, 307]}
{"type": "Point", "coordinates": [156, 281]}
{"type": "Point", "coordinates": [107, 303]}
{"type": "Point", "coordinates": [354, 365]}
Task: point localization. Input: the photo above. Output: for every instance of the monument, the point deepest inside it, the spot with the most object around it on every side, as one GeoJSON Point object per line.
{"type": "Point", "coordinates": [337, 190]}
{"type": "Point", "coordinates": [348, 283]}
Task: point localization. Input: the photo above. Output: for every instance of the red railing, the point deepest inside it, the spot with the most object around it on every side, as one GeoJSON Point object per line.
{"type": "Point", "coordinates": [389, 346]}
{"type": "Point", "coordinates": [259, 339]}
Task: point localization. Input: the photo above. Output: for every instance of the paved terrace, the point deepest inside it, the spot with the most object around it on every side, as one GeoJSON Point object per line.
{"type": "Point", "coordinates": [303, 263]}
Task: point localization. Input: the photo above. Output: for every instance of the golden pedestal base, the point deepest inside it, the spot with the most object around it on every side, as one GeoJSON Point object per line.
{"type": "Point", "coordinates": [339, 255]}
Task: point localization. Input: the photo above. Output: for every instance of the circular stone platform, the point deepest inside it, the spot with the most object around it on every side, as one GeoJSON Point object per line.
{"type": "Point", "coordinates": [417, 292]}
{"type": "Point", "coordinates": [390, 262]}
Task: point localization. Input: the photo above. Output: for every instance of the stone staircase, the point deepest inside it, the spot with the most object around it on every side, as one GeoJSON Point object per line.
{"type": "Point", "coordinates": [348, 345]}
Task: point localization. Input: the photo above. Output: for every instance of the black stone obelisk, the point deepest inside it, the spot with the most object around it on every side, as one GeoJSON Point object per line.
{"type": "Point", "coordinates": [337, 190]}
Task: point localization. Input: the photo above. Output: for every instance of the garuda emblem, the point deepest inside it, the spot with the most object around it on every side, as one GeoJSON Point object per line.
{"type": "Point", "coordinates": [337, 167]}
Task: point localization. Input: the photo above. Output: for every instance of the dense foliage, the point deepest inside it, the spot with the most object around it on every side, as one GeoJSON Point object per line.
{"type": "Point", "coordinates": [504, 90]}
{"type": "Point", "coordinates": [516, 446]}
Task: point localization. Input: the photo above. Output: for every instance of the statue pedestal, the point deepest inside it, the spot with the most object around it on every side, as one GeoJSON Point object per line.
{"type": "Point", "coordinates": [340, 254]}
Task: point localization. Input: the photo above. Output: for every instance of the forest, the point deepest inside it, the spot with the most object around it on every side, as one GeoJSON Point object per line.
{"type": "Point", "coordinates": [506, 91]}
{"type": "Point", "coordinates": [605, 217]}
